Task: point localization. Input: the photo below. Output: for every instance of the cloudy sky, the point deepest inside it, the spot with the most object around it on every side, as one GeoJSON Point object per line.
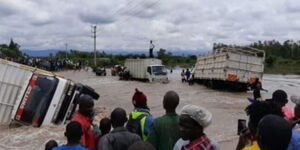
{"type": "Point", "coordinates": [130, 24]}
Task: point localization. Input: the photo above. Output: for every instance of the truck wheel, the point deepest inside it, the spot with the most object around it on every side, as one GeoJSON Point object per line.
{"type": "Point", "coordinates": [150, 80]}
{"type": "Point", "coordinates": [210, 84]}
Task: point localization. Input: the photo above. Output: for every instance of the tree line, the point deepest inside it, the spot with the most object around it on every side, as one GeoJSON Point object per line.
{"type": "Point", "coordinates": [281, 57]}
{"type": "Point", "coordinates": [108, 60]}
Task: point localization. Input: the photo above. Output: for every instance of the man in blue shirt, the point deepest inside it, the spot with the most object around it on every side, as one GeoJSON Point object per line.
{"type": "Point", "coordinates": [73, 134]}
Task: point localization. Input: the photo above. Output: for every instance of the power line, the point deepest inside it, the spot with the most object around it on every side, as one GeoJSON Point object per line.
{"type": "Point", "coordinates": [139, 12]}
{"type": "Point", "coordinates": [66, 50]}
{"type": "Point", "coordinates": [120, 9]}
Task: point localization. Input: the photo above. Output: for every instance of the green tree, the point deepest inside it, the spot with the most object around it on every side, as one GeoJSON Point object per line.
{"type": "Point", "coordinates": [11, 50]}
{"type": "Point", "coordinates": [161, 53]}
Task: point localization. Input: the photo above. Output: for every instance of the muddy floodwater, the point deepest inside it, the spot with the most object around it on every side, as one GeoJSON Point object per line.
{"type": "Point", "coordinates": [226, 107]}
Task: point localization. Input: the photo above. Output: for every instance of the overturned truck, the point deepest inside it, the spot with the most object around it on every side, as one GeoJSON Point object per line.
{"type": "Point", "coordinates": [230, 68]}
{"type": "Point", "coordinates": [31, 96]}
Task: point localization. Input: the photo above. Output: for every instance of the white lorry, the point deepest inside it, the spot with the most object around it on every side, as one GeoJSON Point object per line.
{"type": "Point", "coordinates": [31, 96]}
{"type": "Point", "coordinates": [150, 69]}
{"type": "Point", "coordinates": [230, 67]}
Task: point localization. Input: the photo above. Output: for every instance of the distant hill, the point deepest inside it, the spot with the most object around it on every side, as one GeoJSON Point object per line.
{"type": "Point", "coordinates": [46, 53]}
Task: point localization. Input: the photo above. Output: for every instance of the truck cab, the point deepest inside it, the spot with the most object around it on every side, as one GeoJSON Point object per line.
{"type": "Point", "coordinates": [32, 96]}
{"type": "Point", "coordinates": [48, 99]}
{"type": "Point", "coordinates": [157, 73]}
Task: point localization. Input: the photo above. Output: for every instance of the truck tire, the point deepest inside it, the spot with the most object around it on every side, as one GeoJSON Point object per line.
{"type": "Point", "coordinates": [150, 80]}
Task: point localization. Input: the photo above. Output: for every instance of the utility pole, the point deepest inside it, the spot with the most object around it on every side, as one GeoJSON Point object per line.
{"type": "Point", "coordinates": [292, 47]}
{"type": "Point", "coordinates": [94, 30]}
{"type": "Point", "coordinates": [66, 50]}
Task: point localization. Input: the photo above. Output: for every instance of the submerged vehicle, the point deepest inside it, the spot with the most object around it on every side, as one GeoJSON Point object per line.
{"type": "Point", "coordinates": [31, 96]}
{"type": "Point", "coordinates": [149, 69]}
{"type": "Point", "coordinates": [230, 67]}
{"type": "Point", "coordinates": [100, 71]}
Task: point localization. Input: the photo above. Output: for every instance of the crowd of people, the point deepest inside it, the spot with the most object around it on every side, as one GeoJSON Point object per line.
{"type": "Point", "coordinates": [187, 76]}
{"type": "Point", "coordinates": [271, 126]}
{"type": "Point", "coordinates": [51, 64]}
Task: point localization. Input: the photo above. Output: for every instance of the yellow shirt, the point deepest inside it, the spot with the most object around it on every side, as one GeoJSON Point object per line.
{"type": "Point", "coordinates": [253, 146]}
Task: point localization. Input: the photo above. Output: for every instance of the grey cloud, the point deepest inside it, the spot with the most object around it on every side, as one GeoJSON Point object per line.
{"type": "Point", "coordinates": [172, 24]}
{"type": "Point", "coordinates": [292, 6]}
{"type": "Point", "coordinates": [41, 22]}
{"type": "Point", "coordinates": [6, 9]}
{"type": "Point", "coordinates": [96, 18]}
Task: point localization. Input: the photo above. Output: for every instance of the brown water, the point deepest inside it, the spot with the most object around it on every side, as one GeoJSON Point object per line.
{"type": "Point", "coordinates": [226, 107]}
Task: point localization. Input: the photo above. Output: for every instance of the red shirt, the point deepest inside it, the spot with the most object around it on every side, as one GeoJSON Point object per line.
{"type": "Point", "coordinates": [202, 143]}
{"type": "Point", "coordinates": [88, 138]}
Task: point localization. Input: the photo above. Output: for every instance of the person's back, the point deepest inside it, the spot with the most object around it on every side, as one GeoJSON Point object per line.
{"type": "Point", "coordinates": [104, 127]}
{"type": "Point", "coordinates": [165, 130]}
{"type": "Point", "coordinates": [73, 134]}
{"type": "Point", "coordinates": [120, 138]}
{"type": "Point", "coordinates": [66, 147]}
{"type": "Point", "coordinates": [256, 90]}
{"type": "Point", "coordinates": [188, 74]}
{"type": "Point", "coordinates": [140, 118]}
{"type": "Point", "coordinates": [141, 146]}
{"type": "Point", "coordinates": [84, 117]}
{"type": "Point", "coordinates": [274, 133]}
{"type": "Point", "coordinates": [139, 122]}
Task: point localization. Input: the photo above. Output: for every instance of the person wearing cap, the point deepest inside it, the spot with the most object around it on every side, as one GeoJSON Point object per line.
{"type": "Point", "coordinates": [295, 122]}
{"type": "Point", "coordinates": [192, 122]}
{"type": "Point", "coordinates": [141, 112]}
{"type": "Point", "coordinates": [273, 133]}
{"type": "Point", "coordinates": [279, 97]}
{"type": "Point", "coordinates": [165, 129]}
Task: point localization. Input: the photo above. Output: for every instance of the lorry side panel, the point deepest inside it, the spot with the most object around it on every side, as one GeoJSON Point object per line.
{"type": "Point", "coordinates": [55, 100]}
{"type": "Point", "coordinates": [229, 66]}
{"type": "Point", "coordinates": [12, 81]}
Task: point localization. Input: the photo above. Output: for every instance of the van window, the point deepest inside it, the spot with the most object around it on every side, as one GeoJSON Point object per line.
{"type": "Point", "coordinates": [159, 70]}
{"type": "Point", "coordinates": [38, 100]}
{"type": "Point", "coordinates": [149, 70]}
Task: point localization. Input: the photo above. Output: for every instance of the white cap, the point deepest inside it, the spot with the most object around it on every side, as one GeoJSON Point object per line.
{"type": "Point", "coordinates": [295, 99]}
{"type": "Point", "coordinates": [199, 114]}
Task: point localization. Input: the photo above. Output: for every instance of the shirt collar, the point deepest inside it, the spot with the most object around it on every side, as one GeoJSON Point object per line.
{"type": "Point", "coordinates": [118, 129]}
{"type": "Point", "coordinates": [171, 114]}
{"type": "Point", "coordinates": [141, 109]}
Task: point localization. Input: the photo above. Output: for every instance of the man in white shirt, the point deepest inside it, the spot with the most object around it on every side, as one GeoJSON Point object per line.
{"type": "Point", "coordinates": [151, 49]}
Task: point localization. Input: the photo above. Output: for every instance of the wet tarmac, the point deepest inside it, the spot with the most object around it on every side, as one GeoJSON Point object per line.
{"type": "Point", "coordinates": [226, 107]}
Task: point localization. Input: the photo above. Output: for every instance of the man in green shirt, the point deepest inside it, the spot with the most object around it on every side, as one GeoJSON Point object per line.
{"type": "Point", "coordinates": [164, 131]}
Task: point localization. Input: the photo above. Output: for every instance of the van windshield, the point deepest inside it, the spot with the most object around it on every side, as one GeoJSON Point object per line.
{"type": "Point", "coordinates": [159, 70]}
{"type": "Point", "coordinates": [38, 99]}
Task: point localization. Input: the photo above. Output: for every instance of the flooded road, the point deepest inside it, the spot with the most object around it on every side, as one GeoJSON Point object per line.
{"type": "Point", "coordinates": [226, 107]}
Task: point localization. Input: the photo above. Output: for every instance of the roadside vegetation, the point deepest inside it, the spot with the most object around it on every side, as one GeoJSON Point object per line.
{"type": "Point", "coordinates": [281, 57]}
